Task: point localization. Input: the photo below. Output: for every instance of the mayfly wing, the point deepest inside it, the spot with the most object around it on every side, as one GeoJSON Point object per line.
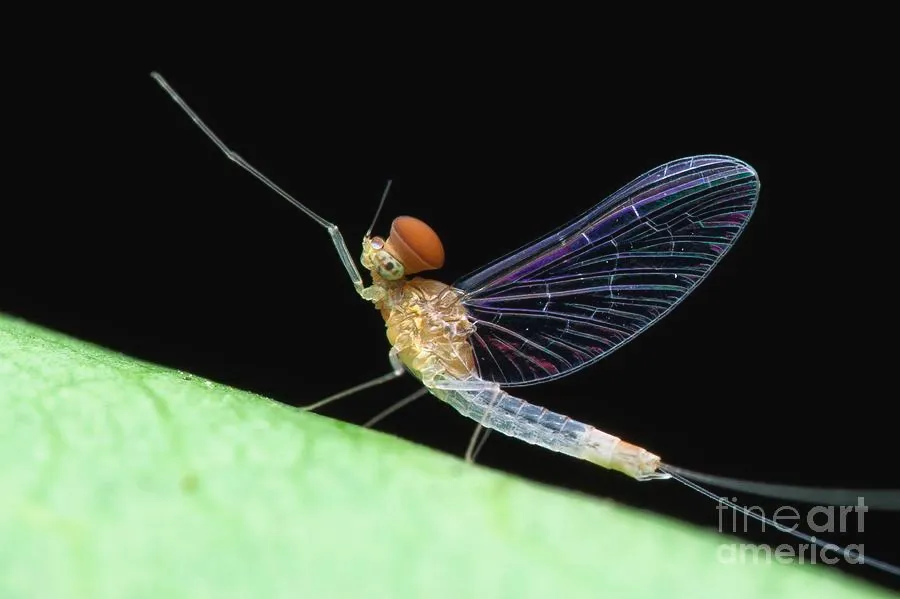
{"type": "Point", "coordinates": [584, 290]}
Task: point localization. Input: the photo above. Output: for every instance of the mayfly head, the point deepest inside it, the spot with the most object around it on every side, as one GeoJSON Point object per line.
{"type": "Point", "coordinates": [412, 247]}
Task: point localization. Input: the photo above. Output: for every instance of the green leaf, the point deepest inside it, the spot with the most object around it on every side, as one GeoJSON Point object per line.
{"type": "Point", "coordinates": [124, 479]}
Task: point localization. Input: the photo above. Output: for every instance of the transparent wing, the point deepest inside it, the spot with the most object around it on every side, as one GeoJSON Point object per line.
{"type": "Point", "coordinates": [587, 288]}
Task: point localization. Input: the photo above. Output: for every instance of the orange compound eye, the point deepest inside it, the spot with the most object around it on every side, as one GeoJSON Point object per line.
{"type": "Point", "coordinates": [415, 245]}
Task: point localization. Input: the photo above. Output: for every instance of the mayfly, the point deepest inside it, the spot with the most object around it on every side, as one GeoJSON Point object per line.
{"type": "Point", "coordinates": [558, 305]}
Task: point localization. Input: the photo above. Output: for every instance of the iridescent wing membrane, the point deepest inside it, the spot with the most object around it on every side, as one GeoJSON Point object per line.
{"type": "Point", "coordinates": [587, 288]}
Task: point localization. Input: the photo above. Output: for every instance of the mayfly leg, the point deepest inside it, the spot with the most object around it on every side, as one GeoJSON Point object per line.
{"type": "Point", "coordinates": [476, 443]}
{"type": "Point", "coordinates": [479, 437]}
{"type": "Point", "coordinates": [336, 238]}
{"type": "Point", "coordinates": [396, 406]}
{"type": "Point", "coordinates": [397, 371]}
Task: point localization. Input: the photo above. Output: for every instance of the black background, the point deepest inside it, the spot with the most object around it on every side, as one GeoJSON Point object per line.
{"type": "Point", "coordinates": [134, 232]}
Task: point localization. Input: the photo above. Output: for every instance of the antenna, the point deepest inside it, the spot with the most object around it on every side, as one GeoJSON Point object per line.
{"type": "Point", "coordinates": [387, 188]}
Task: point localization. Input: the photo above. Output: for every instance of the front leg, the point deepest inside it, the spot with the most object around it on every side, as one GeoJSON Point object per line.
{"type": "Point", "coordinates": [333, 232]}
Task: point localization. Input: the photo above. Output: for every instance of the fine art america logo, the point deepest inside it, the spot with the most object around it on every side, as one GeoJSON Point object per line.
{"type": "Point", "coordinates": [825, 520]}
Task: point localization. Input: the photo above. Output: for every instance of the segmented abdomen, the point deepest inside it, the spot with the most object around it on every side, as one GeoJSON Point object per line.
{"type": "Point", "coordinates": [498, 410]}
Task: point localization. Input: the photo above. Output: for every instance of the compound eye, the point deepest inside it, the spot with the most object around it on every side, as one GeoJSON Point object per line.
{"type": "Point", "coordinates": [415, 244]}
{"type": "Point", "coordinates": [388, 267]}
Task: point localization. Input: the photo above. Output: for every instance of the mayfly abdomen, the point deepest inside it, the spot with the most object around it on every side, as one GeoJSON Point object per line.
{"type": "Point", "coordinates": [496, 409]}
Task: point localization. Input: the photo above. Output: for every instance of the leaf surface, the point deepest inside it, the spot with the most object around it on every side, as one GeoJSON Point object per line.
{"type": "Point", "coordinates": [120, 478]}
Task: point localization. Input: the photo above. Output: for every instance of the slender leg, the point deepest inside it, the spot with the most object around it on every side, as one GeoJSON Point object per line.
{"type": "Point", "coordinates": [336, 238]}
{"type": "Point", "coordinates": [476, 443]}
{"type": "Point", "coordinates": [481, 433]}
{"type": "Point", "coordinates": [396, 372]}
{"type": "Point", "coordinates": [396, 406]}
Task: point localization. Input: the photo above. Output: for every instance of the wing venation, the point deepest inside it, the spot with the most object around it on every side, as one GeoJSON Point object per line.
{"type": "Point", "coordinates": [587, 288]}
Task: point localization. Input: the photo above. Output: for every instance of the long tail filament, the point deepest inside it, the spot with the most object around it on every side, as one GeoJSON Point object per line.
{"type": "Point", "coordinates": [878, 499]}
